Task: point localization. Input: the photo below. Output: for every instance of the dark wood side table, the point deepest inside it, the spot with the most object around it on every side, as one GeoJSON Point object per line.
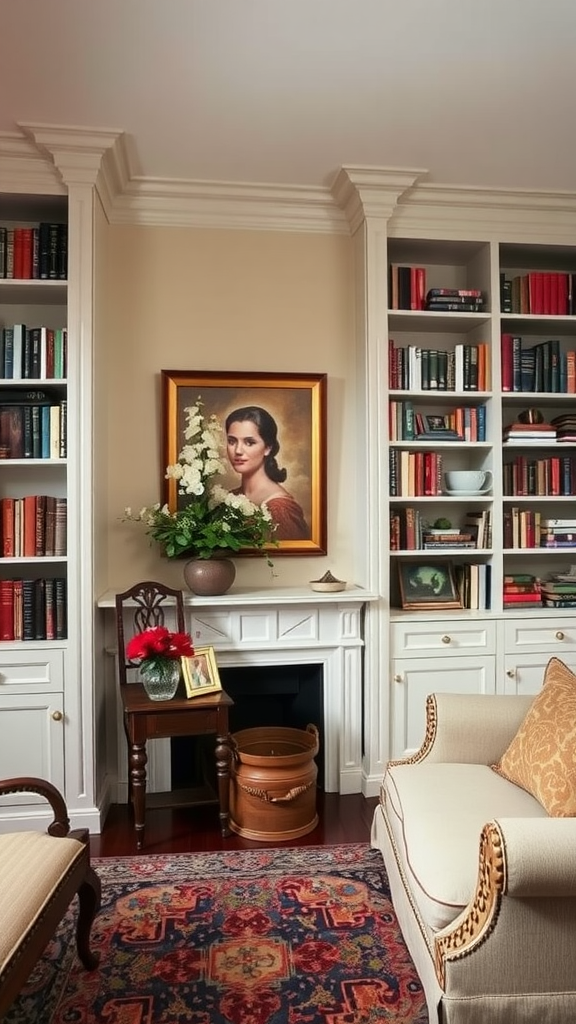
{"type": "Point", "coordinates": [146, 719]}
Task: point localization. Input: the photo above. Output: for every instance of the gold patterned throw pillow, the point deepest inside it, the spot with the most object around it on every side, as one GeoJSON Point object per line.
{"type": "Point", "coordinates": [542, 756]}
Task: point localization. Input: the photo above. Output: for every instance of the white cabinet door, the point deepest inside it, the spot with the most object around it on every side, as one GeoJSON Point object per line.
{"type": "Point", "coordinates": [32, 730]}
{"type": "Point", "coordinates": [415, 678]}
{"type": "Point", "coordinates": [524, 673]}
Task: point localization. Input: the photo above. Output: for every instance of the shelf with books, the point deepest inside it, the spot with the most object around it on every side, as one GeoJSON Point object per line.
{"type": "Point", "coordinates": [33, 411]}
{"type": "Point", "coordinates": [537, 280]}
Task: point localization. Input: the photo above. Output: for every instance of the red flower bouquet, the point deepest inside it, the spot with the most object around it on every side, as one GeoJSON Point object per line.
{"type": "Point", "coordinates": [158, 644]}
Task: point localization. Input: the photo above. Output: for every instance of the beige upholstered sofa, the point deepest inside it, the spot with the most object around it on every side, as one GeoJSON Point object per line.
{"type": "Point", "coordinates": [483, 879]}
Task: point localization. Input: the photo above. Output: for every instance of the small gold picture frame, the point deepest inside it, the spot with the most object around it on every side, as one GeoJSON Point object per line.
{"type": "Point", "coordinates": [200, 673]}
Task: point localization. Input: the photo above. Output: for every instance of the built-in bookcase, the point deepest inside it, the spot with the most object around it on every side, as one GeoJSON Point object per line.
{"type": "Point", "coordinates": [33, 419]}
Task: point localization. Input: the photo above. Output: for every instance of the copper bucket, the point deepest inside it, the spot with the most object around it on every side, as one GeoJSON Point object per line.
{"type": "Point", "coordinates": [273, 782]}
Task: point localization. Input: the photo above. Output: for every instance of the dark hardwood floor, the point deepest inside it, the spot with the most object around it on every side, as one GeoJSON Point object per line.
{"type": "Point", "coordinates": [343, 819]}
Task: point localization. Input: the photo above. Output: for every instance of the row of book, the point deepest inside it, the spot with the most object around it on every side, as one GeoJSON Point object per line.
{"type": "Point", "coordinates": [33, 353]}
{"type": "Point", "coordinates": [407, 290]}
{"type": "Point", "coordinates": [37, 253]}
{"type": "Point", "coordinates": [415, 474]}
{"type": "Point", "coordinates": [540, 293]}
{"type": "Point", "coordinates": [410, 531]}
{"type": "Point", "coordinates": [33, 429]}
{"type": "Point", "coordinates": [529, 528]}
{"type": "Point", "coordinates": [463, 368]}
{"type": "Point", "coordinates": [33, 526]}
{"type": "Point", "coordinates": [474, 582]}
{"type": "Point", "coordinates": [554, 476]}
{"type": "Point", "coordinates": [465, 423]}
{"type": "Point", "coordinates": [33, 609]}
{"type": "Point", "coordinates": [544, 367]}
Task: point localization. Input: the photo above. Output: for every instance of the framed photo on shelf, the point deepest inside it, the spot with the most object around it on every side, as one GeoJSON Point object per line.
{"type": "Point", "coordinates": [200, 673]}
{"type": "Point", "coordinates": [436, 423]}
{"type": "Point", "coordinates": [274, 426]}
{"type": "Point", "coordinates": [428, 585]}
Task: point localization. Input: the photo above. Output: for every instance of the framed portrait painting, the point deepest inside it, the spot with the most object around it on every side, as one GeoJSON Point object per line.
{"type": "Point", "coordinates": [428, 585]}
{"type": "Point", "coordinates": [274, 433]}
{"type": "Point", "coordinates": [200, 673]}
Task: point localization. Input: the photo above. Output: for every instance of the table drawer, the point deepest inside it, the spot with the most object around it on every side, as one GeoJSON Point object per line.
{"type": "Point", "coordinates": [423, 638]}
{"type": "Point", "coordinates": [553, 637]}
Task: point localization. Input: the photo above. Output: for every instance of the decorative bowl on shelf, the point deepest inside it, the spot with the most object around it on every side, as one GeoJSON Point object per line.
{"type": "Point", "coordinates": [328, 584]}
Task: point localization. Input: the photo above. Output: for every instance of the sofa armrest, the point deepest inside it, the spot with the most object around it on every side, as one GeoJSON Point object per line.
{"type": "Point", "coordinates": [464, 728]}
{"type": "Point", "coordinates": [522, 915]}
{"type": "Point", "coordinates": [60, 825]}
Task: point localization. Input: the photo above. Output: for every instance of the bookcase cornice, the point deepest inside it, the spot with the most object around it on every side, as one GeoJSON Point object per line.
{"type": "Point", "coordinates": [24, 170]}
{"type": "Point", "coordinates": [371, 192]}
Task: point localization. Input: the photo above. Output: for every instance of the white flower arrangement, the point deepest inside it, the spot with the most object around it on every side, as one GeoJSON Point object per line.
{"type": "Point", "coordinates": [214, 520]}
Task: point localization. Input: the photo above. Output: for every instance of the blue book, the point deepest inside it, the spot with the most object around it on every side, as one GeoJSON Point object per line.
{"type": "Point", "coordinates": [45, 431]}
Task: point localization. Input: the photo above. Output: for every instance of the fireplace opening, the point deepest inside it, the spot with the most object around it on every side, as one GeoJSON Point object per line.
{"type": "Point", "coordinates": [276, 695]}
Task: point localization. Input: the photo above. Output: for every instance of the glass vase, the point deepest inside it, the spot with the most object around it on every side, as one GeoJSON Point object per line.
{"type": "Point", "coordinates": [161, 678]}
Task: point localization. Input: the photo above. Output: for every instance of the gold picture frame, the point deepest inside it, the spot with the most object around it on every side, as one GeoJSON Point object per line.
{"type": "Point", "coordinates": [294, 407]}
{"type": "Point", "coordinates": [200, 673]}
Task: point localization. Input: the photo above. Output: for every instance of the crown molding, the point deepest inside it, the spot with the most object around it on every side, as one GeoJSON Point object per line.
{"type": "Point", "coordinates": [24, 170]}
{"type": "Point", "coordinates": [209, 204]}
{"type": "Point", "coordinates": [516, 214]}
{"type": "Point", "coordinates": [371, 192]}
{"type": "Point", "coordinates": [49, 159]}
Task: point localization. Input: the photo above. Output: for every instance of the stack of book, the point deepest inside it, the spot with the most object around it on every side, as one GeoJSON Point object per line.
{"type": "Point", "coordinates": [479, 525]}
{"type": "Point", "coordinates": [455, 300]}
{"type": "Point", "coordinates": [521, 590]}
{"type": "Point", "coordinates": [558, 533]}
{"type": "Point", "coordinates": [565, 427]}
{"type": "Point", "coordinates": [529, 433]}
{"type": "Point", "coordinates": [559, 590]}
{"type": "Point", "coordinates": [439, 540]}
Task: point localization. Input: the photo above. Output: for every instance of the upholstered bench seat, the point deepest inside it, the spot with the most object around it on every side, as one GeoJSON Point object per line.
{"type": "Point", "coordinates": [40, 874]}
{"type": "Point", "coordinates": [436, 813]}
{"type": "Point", "coordinates": [48, 863]}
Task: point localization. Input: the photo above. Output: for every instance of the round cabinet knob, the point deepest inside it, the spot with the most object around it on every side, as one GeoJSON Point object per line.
{"type": "Point", "coordinates": [511, 672]}
{"type": "Point", "coordinates": [446, 639]}
{"type": "Point", "coordinates": [397, 678]}
{"type": "Point", "coordinates": [57, 716]}
{"type": "Point", "coordinates": [560, 635]}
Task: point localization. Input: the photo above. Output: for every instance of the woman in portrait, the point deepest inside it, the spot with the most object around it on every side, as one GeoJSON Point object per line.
{"type": "Point", "coordinates": [252, 446]}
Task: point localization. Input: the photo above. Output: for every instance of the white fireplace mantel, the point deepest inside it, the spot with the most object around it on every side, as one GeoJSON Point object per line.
{"type": "Point", "coordinates": [295, 626]}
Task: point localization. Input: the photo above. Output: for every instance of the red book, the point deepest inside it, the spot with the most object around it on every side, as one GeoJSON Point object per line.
{"type": "Point", "coordinates": [27, 252]}
{"type": "Point", "coordinates": [8, 545]}
{"type": "Point", "coordinates": [521, 598]}
{"type": "Point", "coordinates": [562, 285]}
{"type": "Point", "coordinates": [30, 526]}
{"type": "Point", "coordinates": [547, 293]}
{"type": "Point", "coordinates": [417, 288]}
{"type": "Point", "coordinates": [6, 609]}
{"type": "Point", "coordinates": [18, 253]}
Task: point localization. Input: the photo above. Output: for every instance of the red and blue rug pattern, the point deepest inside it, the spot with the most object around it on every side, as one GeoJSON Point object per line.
{"type": "Point", "coordinates": [279, 936]}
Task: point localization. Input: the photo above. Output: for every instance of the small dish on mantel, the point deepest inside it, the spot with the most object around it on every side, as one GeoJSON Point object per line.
{"type": "Point", "coordinates": [328, 584]}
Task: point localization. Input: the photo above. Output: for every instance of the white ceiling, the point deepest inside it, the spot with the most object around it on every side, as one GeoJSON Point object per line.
{"type": "Point", "coordinates": [477, 92]}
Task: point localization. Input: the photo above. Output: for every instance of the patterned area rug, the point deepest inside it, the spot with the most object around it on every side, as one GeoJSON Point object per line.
{"type": "Point", "coordinates": [280, 936]}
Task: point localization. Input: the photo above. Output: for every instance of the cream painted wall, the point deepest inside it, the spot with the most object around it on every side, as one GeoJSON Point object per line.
{"type": "Point", "coordinates": [189, 299]}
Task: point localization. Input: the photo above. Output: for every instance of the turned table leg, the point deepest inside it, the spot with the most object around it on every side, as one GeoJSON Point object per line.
{"type": "Point", "coordinates": [138, 759]}
{"type": "Point", "coordinates": [223, 758]}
